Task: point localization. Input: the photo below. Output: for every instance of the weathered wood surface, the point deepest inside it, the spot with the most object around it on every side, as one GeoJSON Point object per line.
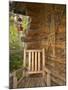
{"type": "Point", "coordinates": [32, 81]}
{"type": "Point", "coordinates": [46, 29]}
{"type": "Point", "coordinates": [36, 60]}
{"type": "Point", "coordinates": [16, 77]}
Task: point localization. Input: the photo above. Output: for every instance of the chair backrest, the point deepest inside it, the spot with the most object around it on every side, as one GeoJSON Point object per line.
{"type": "Point", "coordinates": [35, 60]}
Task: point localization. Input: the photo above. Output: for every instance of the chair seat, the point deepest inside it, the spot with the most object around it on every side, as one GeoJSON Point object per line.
{"type": "Point", "coordinates": [35, 72]}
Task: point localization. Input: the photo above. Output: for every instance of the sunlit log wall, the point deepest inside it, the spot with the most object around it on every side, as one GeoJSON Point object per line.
{"type": "Point", "coordinates": [48, 28]}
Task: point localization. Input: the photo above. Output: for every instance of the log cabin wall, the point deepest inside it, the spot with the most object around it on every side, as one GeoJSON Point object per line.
{"type": "Point", "coordinates": [47, 30]}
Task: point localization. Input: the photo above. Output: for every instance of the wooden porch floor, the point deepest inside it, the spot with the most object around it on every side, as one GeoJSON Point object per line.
{"type": "Point", "coordinates": [32, 81]}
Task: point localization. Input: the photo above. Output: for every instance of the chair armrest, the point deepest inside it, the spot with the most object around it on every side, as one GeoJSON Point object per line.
{"type": "Point", "coordinates": [47, 70]}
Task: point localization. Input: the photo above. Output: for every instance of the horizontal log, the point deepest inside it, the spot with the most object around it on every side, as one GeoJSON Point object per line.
{"type": "Point", "coordinates": [54, 80]}
{"type": "Point", "coordinates": [58, 45]}
{"type": "Point", "coordinates": [59, 60]}
{"type": "Point", "coordinates": [55, 74]}
{"type": "Point", "coordinates": [33, 50]}
{"type": "Point", "coordinates": [37, 5]}
{"type": "Point", "coordinates": [34, 27]}
{"type": "Point", "coordinates": [35, 24]}
{"type": "Point", "coordinates": [35, 41]}
{"type": "Point", "coordinates": [58, 76]}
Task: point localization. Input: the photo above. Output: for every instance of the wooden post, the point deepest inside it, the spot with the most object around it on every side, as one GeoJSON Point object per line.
{"type": "Point", "coordinates": [43, 56]}
{"type": "Point", "coordinates": [24, 58]}
{"type": "Point", "coordinates": [14, 80]}
{"type": "Point", "coordinates": [48, 79]}
{"type": "Point", "coordinates": [35, 61]}
{"type": "Point", "coordinates": [39, 61]}
{"type": "Point", "coordinates": [24, 62]}
{"type": "Point", "coordinates": [52, 27]}
{"type": "Point", "coordinates": [32, 61]}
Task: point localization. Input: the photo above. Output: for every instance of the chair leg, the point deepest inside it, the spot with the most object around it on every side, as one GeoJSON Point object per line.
{"type": "Point", "coordinates": [43, 74]}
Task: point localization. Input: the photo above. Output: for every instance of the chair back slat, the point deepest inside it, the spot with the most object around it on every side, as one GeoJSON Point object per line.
{"type": "Point", "coordinates": [29, 62]}
{"type": "Point", "coordinates": [38, 61]}
{"type": "Point", "coordinates": [35, 61]}
{"type": "Point", "coordinates": [32, 61]}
